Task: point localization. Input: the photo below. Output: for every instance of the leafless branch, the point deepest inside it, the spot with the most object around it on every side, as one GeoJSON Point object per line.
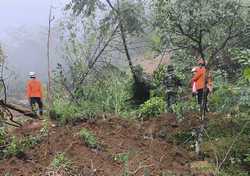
{"type": "Point", "coordinates": [84, 75]}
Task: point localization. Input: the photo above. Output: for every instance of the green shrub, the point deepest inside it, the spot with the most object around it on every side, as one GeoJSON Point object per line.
{"type": "Point", "coordinates": [61, 162]}
{"type": "Point", "coordinates": [159, 75]}
{"type": "Point", "coordinates": [221, 146]}
{"type": "Point", "coordinates": [124, 159]}
{"type": "Point", "coordinates": [232, 171]}
{"type": "Point", "coordinates": [16, 147]}
{"type": "Point", "coordinates": [223, 99]}
{"type": "Point", "coordinates": [64, 110]}
{"type": "Point", "coordinates": [105, 95]}
{"type": "Point", "coordinates": [247, 159]}
{"type": "Point", "coordinates": [121, 157]}
{"type": "Point", "coordinates": [182, 107]}
{"type": "Point", "coordinates": [89, 138]}
{"type": "Point", "coordinates": [3, 136]}
{"type": "Point", "coordinates": [45, 129]}
{"type": "Point", "coordinates": [231, 98]}
{"type": "Point", "coordinates": [152, 108]}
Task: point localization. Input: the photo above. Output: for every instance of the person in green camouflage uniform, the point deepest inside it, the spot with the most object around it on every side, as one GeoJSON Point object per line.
{"type": "Point", "coordinates": [171, 83]}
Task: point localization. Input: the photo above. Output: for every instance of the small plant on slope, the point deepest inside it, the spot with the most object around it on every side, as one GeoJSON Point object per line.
{"type": "Point", "coordinates": [151, 108]}
{"type": "Point", "coordinates": [89, 138]}
{"type": "Point", "coordinates": [60, 161]}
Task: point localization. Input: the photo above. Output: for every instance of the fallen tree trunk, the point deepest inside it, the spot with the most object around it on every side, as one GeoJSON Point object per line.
{"type": "Point", "coordinates": [23, 110]}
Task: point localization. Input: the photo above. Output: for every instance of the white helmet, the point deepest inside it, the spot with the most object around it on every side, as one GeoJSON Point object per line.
{"type": "Point", "coordinates": [194, 69]}
{"type": "Point", "coordinates": [32, 74]}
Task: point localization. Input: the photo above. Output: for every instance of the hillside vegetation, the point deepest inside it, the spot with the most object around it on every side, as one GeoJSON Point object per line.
{"type": "Point", "coordinates": [108, 115]}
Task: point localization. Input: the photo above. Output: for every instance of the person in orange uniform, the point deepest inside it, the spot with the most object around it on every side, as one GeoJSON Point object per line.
{"type": "Point", "coordinates": [202, 84]}
{"type": "Point", "coordinates": [34, 92]}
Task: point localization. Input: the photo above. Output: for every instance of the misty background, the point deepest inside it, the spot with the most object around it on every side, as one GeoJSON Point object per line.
{"type": "Point", "coordinates": [23, 36]}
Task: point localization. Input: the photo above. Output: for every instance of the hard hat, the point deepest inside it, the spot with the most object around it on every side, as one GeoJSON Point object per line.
{"type": "Point", "coordinates": [32, 74]}
{"type": "Point", "coordinates": [194, 69]}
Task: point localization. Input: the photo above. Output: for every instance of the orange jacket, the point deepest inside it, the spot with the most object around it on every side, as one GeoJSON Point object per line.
{"type": "Point", "coordinates": [199, 78]}
{"type": "Point", "coordinates": [34, 88]}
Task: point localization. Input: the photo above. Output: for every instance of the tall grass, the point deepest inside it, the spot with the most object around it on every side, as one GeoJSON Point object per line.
{"type": "Point", "coordinates": [109, 94]}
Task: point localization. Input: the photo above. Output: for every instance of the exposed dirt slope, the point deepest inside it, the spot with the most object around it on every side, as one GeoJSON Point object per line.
{"type": "Point", "coordinates": [147, 151]}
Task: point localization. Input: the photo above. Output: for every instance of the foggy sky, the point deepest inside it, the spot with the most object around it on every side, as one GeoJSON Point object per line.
{"type": "Point", "coordinates": [23, 33]}
{"type": "Point", "coordinates": [16, 13]}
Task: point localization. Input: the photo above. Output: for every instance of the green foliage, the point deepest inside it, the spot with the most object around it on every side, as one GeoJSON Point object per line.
{"type": "Point", "coordinates": [247, 159]}
{"type": "Point", "coordinates": [241, 56]}
{"type": "Point", "coordinates": [16, 147]}
{"type": "Point", "coordinates": [89, 138]}
{"type": "Point", "coordinates": [66, 112]}
{"type": "Point", "coordinates": [233, 171]}
{"type": "Point", "coordinates": [202, 27]}
{"type": "Point", "coordinates": [60, 161]}
{"type": "Point", "coordinates": [122, 157]}
{"type": "Point", "coordinates": [223, 98]}
{"type": "Point", "coordinates": [221, 146]}
{"type": "Point", "coordinates": [45, 129]}
{"type": "Point", "coordinates": [246, 73]}
{"type": "Point", "coordinates": [3, 136]}
{"type": "Point", "coordinates": [184, 106]}
{"type": "Point", "coordinates": [131, 13]}
{"type": "Point", "coordinates": [155, 42]}
{"type": "Point", "coordinates": [108, 94]}
{"type": "Point", "coordinates": [87, 7]}
{"type": "Point", "coordinates": [152, 108]}
{"type": "Point", "coordinates": [158, 77]}
{"type": "Point", "coordinates": [231, 98]}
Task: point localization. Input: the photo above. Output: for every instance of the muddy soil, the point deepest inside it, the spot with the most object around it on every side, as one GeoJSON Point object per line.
{"type": "Point", "coordinates": [148, 152]}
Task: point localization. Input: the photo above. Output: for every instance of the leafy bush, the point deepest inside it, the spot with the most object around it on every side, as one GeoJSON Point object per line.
{"type": "Point", "coordinates": [16, 147]}
{"type": "Point", "coordinates": [224, 98]}
{"type": "Point", "coordinates": [45, 129]}
{"type": "Point", "coordinates": [64, 111]}
{"type": "Point", "coordinates": [221, 146]}
{"type": "Point", "coordinates": [158, 76]}
{"type": "Point", "coordinates": [3, 136]}
{"type": "Point", "coordinates": [122, 157]}
{"type": "Point", "coordinates": [247, 159]}
{"type": "Point", "coordinates": [89, 138]}
{"type": "Point", "coordinates": [60, 161]}
{"type": "Point", "coordinates": [110, 94]}
{"type": "Point", "coordinates": [233, 171]}
{"type": "Point", "coordinates": [152, 108]}
{"type": "Point", "coordinates": [182, 107]}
